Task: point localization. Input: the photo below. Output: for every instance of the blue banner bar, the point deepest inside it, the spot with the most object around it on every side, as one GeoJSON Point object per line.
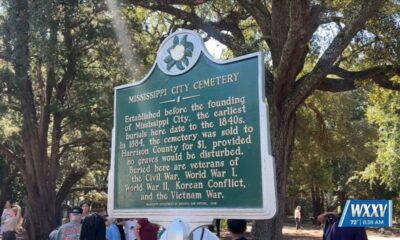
{"type": "Point", "coordinates": [367, 213]}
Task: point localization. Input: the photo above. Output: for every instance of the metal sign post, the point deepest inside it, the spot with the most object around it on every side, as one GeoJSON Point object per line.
{"type": "Point", "coordinates": [191, 140]}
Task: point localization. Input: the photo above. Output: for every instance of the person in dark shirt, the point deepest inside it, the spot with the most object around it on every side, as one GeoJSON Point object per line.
{"type": "Point", "coordinates": [93, 228]}
{"type": "Point", "coordinates": [332, 231]}
{"type": "Point", "coordinates": [348, 233]}
{"type": "Point", "coordinates": [328, 219]}
{"type": "Point", "coordinates": [237, 228]}
{"type": "Point", "coordinates": [120, 226]}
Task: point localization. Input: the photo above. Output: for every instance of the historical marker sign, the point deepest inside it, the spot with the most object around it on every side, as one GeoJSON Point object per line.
{"type": "Point", "coordinates": [191, 140]}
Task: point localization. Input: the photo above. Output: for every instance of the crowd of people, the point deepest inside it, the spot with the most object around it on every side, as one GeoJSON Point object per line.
{"type": "Point", "coordinates": [82, 224]}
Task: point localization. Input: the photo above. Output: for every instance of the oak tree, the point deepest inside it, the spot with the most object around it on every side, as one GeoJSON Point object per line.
{"type": "Point", "coordinates": [288, 32]}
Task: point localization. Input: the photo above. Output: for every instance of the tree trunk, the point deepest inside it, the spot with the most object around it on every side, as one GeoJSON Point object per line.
{"type": "Point", "coordinates": [316, 202]}
{"type": "Point", "coordinates": [41, 217]}
{"type": "Point", "coordinates": [282, 138]}
{"type": "Point", "coordinates": [34, 166]}
{"type": "Point", "coordinates": [39, 170]}
{"type": "Point", "coordinates": [342, 195]}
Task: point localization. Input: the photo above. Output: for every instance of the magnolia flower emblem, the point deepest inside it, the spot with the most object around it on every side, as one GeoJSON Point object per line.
{"type": "Point", "coordinates": [179, 53]}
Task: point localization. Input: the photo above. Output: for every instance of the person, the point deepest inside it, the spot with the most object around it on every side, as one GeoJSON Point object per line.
{"type": "Point", "coordinates": [237, 228]}
{"type": "Point", "coordinates": [93, 228]}
{"type": "Point", "coordinates": [203, 234]}
{"type": "Point", "coordinates": [12, 215]}
{"type": "Point", "coordinates": [129, 226]}
{"type": "Point", "coordinates": [200, 233]}
{"type": "Point", "coordinates": [216, 226]}
{"type": "Point", "coordinates": [9, 235]}
{"type": "Point", "coordinates": [86, 207]}
{"type": "Point", "coordinates": [120, 224]}
{"type": "Point", "coordinates": [332, 231]}
{"type": "Point", "coordinates": [348, 233]}
{"type": "Point", "coordinates": [145, 230]}
{"type": "Point", "coordinates": [112, 232]}
{"type": "Point", "coordinates": [297, 217]}
{"type": "Point", "coordinates": [327, 219]}
{"type": "Point", "coordinates": [71, 230]}
{"type": "Point", "coordinates": [7, 213]}
{"type": "Point", "coordinates": [53, 234]}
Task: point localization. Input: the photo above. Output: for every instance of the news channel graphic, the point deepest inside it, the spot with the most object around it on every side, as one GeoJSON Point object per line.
{"type": "Point", "coordinates": [367, 213]}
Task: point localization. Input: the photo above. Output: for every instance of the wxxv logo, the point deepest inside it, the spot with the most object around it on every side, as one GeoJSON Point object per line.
{"type": "Point", "coordinates": [367, 213]}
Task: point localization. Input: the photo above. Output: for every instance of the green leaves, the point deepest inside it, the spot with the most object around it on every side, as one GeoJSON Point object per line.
{"type": "Point", "coordinates": [384, 112]}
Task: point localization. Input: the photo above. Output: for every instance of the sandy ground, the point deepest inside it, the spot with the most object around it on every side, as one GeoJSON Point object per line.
{"type": "Point", "coordinates": [311, 232]}
{"type": "Point", "coordinates": [314, 233]}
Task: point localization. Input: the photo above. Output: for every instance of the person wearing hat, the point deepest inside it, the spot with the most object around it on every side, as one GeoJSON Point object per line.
{"type": "Point", "coordinates": [71, 230]}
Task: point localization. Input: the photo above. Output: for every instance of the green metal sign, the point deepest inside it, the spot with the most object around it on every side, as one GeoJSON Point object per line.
{"type": "Point", "coordinates": [192, 138]}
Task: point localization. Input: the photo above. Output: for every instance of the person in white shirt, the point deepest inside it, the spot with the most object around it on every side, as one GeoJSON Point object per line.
{"type": "Point", "coordinates": [129, 227]}
{"type": "Point", "coordinates": [9, 221]}
{"type": "Point", "coordinates": [297, 217]}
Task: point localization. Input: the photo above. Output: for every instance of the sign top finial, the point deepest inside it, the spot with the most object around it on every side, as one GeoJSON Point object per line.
{"type": "Point", "coordinates": [179, 52]}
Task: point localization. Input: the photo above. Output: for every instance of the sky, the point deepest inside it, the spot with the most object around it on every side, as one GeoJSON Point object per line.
{"type": "Point", "coordinates": [215, 48]}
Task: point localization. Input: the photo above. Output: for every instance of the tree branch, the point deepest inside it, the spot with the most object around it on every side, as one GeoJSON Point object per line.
{"type": "Point", "coordinates": [181, 2]}
{"type": "Point", "coordinates": [379, 75]}
{"type": "Point", "coordinates": [349, 57]}
{"type": "Point", "coordinates": [388, 71]}
{"type": "Point", "coordinates": [315, 20]}
{"type": "Point", "coordinates": [294, 50]}
{"type": "Point", "coordinates": [8, 153]}
{"type": "Point", "coordinates": [279, 28]}
{"type": "Point", "coordinates": [48, 90]}
{"type": "Point", "coordinates": [84, 141]}
{"type": "Point", "coordinates": [331, 19]}
{"type": "Point", "coordinates": [88, 188]}
{"type": "Point", "coordinates": [78, 143]}
{"type": "Point", "coordinates": [10, 156]}
{"type": "Point", "coordinates": [187, 2]}
{"type": "Point", "coordinates": [320, 119]}
{"type": "Point", "coordinates": [214, 29]}
{"type": "Point", "coordinates": [70, 180]}
{"type": "Point", "coordinates": [269, 85]}
{"type": "Point", "coordinates": [61, 92]}
{"type": "Point", "coordinates": [386, 83]}
{"type": "Point", "coordinates": [336, 85]}
{"type": "Point", "coordinates": [261, 15]}
{"type": "Point", "coordinates": [309, 82]}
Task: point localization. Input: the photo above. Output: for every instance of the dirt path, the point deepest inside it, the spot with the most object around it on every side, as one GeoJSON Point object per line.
{"type": "Point", "coordinates": [315, 233]}
{"type": "Point", "coordinates": [311, 232]}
